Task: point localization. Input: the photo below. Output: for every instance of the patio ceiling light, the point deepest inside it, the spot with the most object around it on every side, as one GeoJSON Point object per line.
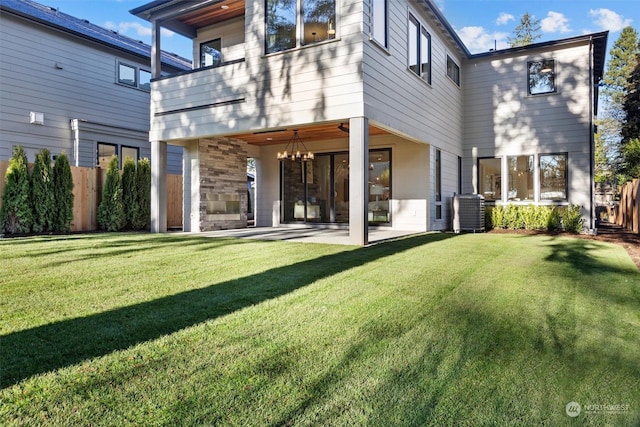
{"type": "Point", "coordinates": [295, 153]}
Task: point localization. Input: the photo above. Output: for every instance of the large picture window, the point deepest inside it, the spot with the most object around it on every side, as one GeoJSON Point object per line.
{"type": "Point", "coordinates": [295, 23]}
{"type": "Point", "coordinates": [541, 77]}
{"type": "Point", "coordinates": [520, 178]}
{"type": "Point", "coordinates": [553, 177]}
{"type": "Point", "coordinates": [419, 49]}
{"type": "Point", "coordinates": [490, 178]}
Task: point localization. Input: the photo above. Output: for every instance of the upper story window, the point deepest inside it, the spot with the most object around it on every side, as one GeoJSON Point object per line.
{"type": "Point", "coordinates": [211, 53]}
{"type": "Point", "coordinates": [542, 76]}
{"type": "Point", "coordinates": [133, 76]}
{"type": "Point", "coordinates": [419, 49]}
{"type": "Point", "coordinates": [453, 70]}
{"type": "Point", "coordinates": [379, 22]}
{"type": "Point", "coordinates": [295, 23]}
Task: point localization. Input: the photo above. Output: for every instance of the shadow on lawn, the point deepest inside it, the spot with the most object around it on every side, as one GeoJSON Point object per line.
{"type": "Point", "coordinates": [49, 347]}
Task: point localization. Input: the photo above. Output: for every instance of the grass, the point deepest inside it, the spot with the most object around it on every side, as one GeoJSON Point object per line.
{"type": "Point", "coordinates": [137, 329]}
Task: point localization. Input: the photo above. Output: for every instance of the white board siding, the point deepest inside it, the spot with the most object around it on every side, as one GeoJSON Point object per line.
{"type": "Point", "coordinates": [501, 119]}
{"type": "Point", "coordinates": [397, 98]}
{"type": "Point", "coordinates": [84, 88]}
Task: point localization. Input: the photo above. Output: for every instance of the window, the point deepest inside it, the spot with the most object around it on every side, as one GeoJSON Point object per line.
{"type": "Point", "coordinates": [520, 178]}
{"type": "Point", "coordinates": [133, 76]}
{"type": "Point", "coordinates": [379, 22]}
{"type": "Point", "coordinates": [286, 29]}
{"type": "Point", "coordinates": [105, 153]}
{"type": "Point", "coordinates": [553, 177]}
{"type": "Point", "coordinates": [490, 178]}
{"type": "Point", "coordinates": [459, 175]}
{"type": "Point", "coordinates": [453, 71]}
{"type": "Point", "coordinates": [419, 50]}
{"type": "Point", "coordinates": [127, 75]}
{"type": "Point", "coordinates": [211, 53]}
{"type": "Point", "coordinates": [145, 80]}
{"type": "Point", "coordinates": [130, 152]}
{"type": "Point", "coordinates": [541, 77]}
{"type": "Point", "coordinates": [438, 184]}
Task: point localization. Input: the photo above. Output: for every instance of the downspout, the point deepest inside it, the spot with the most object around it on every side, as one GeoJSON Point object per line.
{"type": "Point", "coordinates": [75, 127]}
{"type": "Point", "coordinates": [592, 213]}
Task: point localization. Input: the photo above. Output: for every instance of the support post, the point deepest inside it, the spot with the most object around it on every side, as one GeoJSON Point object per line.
{"type": "Point", "coordinates": [191, 187]}
{"type": "Point", "coordinates": [358, 180]}
{"type": "Point", "coordinates": [156, 62]}
{"type": "Point", "coordinates": [158, 186]}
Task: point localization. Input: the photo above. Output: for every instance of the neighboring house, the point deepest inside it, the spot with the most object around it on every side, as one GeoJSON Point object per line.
{"type": "Point", "coordinates": [69, 85]}
{"type": "Point", "coordinates": [396, 112]}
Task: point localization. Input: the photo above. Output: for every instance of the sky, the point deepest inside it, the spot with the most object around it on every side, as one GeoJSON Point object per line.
{"type": "Point", "coordinates": [481, 24]}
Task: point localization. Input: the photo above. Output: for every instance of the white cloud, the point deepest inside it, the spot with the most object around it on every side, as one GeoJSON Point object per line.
{"type": "Point", "coordinates": [609, 20]}
{"type": "Point", "coordinates": [137, 28]}
{"type": "Point", "coordinates": [555, 22]}
{"type": "Point", "coordinates": [477, 39]}
{"type": "Point", "coordinates": [504, 18]}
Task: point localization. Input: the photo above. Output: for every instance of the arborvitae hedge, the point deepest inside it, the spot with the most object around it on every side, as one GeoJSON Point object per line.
{"type": "Point", "coordinates": [62, 193]}
{"type": "Point", "coordinates": [111, 210]}
{"type": "Point", "coordinates": [42, 199]}
{"type": "Point", "coordinates": [143, 179]}
{"type": "Point", "coordinates": [16, 215]}
{"type": "Point", "coordinates": [130, 194]}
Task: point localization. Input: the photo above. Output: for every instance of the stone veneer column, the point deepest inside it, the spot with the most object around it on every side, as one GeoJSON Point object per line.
{"type": "Point", "coordinates": [223, 176]}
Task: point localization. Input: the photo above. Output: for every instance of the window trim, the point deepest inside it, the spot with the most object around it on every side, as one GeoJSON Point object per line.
{"type": "Point", "coordinates": [137, 70]}
{"type": "Point", "coordinates": [553, 73]}
{"type": "Point", "coordinates": [422, 31]}
{"type": "Point", "coordinates": [372, 30]}
{"type": "Point", "coordinates": [221, 56]}
{"type": "Point", "coordinates": [566, 178]}
{"type": "Point", "coordinates": [299, 30]}
{"type": "Point", "coordinates": [457, 67]}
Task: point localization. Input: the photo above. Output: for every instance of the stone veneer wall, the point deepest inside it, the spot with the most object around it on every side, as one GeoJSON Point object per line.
{"type": "Point", "coordinates": [223, 172]}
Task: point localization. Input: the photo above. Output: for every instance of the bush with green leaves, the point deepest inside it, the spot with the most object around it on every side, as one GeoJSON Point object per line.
{"type": "Point", "coordinates": [572, 219]}
{"type": "Point", "coordinates": [42, 198]}
{"type": "Point", "coordinates": [512, 218]}
{"type": "Point", "coordinates": [16, 215]}
{"type": "Point", "coordinates": [62, 194]}
{"type": "Point", "coordinates": [529, 217]}
{"type": "Point", "coordinates": [143, 188]}
{"type": "Point", "coordinates": [130, 193]}
{"type": "Point", "coordinates": [497, 217]}
{"type": "Point", "coordinates": [111, 210]}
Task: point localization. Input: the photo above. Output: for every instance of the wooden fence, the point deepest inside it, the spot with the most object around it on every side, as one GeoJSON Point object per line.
{"type": "Point", "coordinates": [87, 192]}
{"type": "Point", "coordinates": [627, 213]}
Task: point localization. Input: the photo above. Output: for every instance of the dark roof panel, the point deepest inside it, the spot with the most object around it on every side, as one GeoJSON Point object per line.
{"type": "Point", "coordinates": [83, 28]}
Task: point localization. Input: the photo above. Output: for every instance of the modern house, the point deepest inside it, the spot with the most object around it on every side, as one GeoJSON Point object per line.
{"type": "Point", "coordinates": [364, 113]}
{"type": "Point", "coordinates": [69, 85]}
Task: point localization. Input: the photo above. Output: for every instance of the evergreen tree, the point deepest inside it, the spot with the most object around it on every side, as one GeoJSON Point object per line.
{"type": "Point", "coordinates": [615, 88]}
{"type": "Point", "coordinates": [143, 179]}
{"type": "Point", "coordinates": [129, 193]}
{"type": "Point", "coordinates": [16, 215]}
{"type": "Point", "coordinates": [111, 210]}
{"type": "Point", "coordinates": [631, 162]}
{"type": "Point", "coordinates": [62, 193]}
{"type": "Point", "coordinates": [527, 31]}
{"type": "Point", "coordinates": [42, 201]}
{"type": "Point", "coordinates": [631, 125]}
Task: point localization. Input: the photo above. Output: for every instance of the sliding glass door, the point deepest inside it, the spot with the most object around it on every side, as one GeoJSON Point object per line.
{"type": "Point", "coordinates": [317, 191]}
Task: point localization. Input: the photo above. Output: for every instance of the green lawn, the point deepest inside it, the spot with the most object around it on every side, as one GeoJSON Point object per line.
{"type": "Point", "coordinates": [439, 329]}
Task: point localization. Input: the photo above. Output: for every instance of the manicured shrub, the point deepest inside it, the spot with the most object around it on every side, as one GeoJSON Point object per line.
{"type": "Point", "coordinates": [553, 219]}
{"type": "Point", "coordinates": [529, 217]}
{"type": "Point", "coordinates": [111, 210]}
{"type": "Point", "coordinates": [572, 219]}
{"type": "Point", "coordinates": [497, 217]}
{"type": "Point", "coordinates": [143, 179]}
{"type": "Point", "coordinates": [130, 193]}
{"type": "Point", "coordinates": [42, 199]}
{"type": "Point", "coordinates": [16, 215]}
{"type": "Point", "coordinates": [62, 194]}
{"type": "Point", "coordinates": [512, 218]}
{"type": "Point", "coordinates": [488, 218]}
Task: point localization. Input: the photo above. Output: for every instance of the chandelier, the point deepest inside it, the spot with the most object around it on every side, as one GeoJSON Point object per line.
{"type": "Point", "coordinates": [295, 150]}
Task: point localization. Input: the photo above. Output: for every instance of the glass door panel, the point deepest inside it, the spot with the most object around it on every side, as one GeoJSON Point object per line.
{"type": "Point", "coordinates": [379, 187]}
{"type": "Point", "coordinates": [292, 191]}
{"type": "Point", "coordinates": [319, 189]}
{"type": "Point", "coordinates": [341, 187]}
